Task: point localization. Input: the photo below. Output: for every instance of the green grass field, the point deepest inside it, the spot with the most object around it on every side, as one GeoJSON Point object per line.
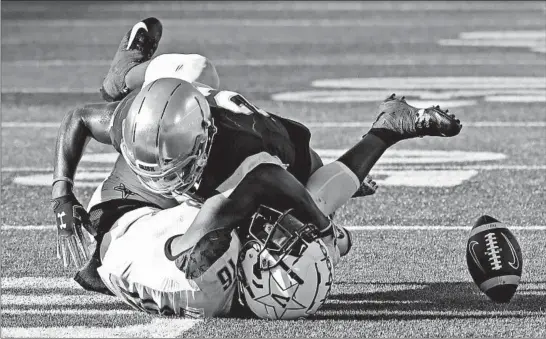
{"type": "Point", "coordinates": [328, 65]}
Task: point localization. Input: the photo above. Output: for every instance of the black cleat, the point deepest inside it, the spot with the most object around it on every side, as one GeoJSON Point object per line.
{"type": "Point", "coordinates": [137, 46]}
{"type": "Point", "coordinates": [409, 122]}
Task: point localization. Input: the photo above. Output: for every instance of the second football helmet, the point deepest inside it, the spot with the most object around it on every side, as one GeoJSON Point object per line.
{"type": "Point", "coordinates": [167, 136]}
{"type": "Point", "coordinates": [285, 271]}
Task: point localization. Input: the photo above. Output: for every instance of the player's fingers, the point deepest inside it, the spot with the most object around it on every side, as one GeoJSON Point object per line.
{"type": "Point", "coordinates": [73, 251]}
{"type": "Point", "coordinates": [66, 259]}
{"type": "Point", "coordinates": [81, 256]}
{"type": "Point", "coordinates": [58, 248]}
{"type": "Point", "coordinates": [83, 250]}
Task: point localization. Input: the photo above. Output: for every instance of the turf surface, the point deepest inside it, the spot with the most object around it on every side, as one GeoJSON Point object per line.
{"type": "Point", "coordinates": [397, 282]}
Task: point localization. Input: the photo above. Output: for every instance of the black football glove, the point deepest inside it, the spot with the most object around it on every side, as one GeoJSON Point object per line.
{"type": "Point", "coordinates": [72, 241]}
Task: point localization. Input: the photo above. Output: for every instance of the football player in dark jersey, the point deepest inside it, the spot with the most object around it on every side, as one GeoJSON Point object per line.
{"type": "Point", "coordinates": [234, 145]}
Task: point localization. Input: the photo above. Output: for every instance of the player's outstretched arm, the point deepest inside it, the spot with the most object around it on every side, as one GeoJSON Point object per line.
{"type": "Point", "coordinates": [77, 128]}
{"type": "Point", "coordinates": [273, 186]}
{"type": "Point", "coordinates": [266, 184]}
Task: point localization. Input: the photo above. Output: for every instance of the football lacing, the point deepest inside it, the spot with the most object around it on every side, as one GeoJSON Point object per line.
{"type": "Point", "coordinates": [493, 251]}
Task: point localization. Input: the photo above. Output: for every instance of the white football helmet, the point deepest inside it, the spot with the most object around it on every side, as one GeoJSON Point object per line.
{"type": "Point", "coordinates": [285, 271]}
{"type": "Point", "coordinates": [167, 136]}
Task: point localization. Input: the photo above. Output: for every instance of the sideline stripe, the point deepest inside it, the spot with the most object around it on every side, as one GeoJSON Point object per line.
{"type": "Point", "coordinates": [350, 227]}
{"type": "Point", "coordinates": [316, 124]}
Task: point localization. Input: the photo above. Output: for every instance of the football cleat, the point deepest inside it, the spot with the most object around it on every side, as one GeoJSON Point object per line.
{"type": "Point", "coordinates": [137, 46]}
{"type": "Point", "coordinates": [368, 187]}
{"type": "Point", "coordinates": [409, 122]}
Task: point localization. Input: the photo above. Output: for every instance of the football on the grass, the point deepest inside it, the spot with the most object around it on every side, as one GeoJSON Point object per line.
{"type": "Point", "coordinates": [494, 259]}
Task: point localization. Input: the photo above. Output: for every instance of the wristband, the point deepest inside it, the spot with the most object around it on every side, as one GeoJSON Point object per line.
{"type": "Point", "coordinates": [67, 179]}
{"type": "Point", "coordinates": [328, 230]}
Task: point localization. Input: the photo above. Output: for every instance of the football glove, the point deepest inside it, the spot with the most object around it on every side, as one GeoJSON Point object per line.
{"type": "Point", "coordinates": [73, 228]}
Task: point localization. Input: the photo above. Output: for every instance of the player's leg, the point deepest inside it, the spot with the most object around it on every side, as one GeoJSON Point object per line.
{"type": "Point", "coordinates": [367, 187]}
{"type": "Point", "coordinates": [137, 46]}
{"type": "Point", "coordinates": [333, 184]}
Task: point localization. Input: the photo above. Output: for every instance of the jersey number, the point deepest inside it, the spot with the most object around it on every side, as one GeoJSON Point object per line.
{"type": "Point", "coordinates": [226, 274]}
{"type": "Point", "coordinates": [234, 102]}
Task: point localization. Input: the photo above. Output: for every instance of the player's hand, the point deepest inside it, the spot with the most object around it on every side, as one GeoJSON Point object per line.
{"type": "Point", "coordinates": [72, 239]}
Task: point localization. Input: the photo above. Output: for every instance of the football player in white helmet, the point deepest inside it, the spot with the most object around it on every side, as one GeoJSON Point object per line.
{"type": "Point", "coordinates": [117, 200]}
{"type": "Point", "coordinates": [285, 269]}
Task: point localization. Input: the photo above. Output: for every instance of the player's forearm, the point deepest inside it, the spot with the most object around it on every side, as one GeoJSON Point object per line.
{"type": "Point", "coordinates": [275, 187]}
{"type": "Point", "coordinates": [71, 140]}
{"type": "Point", "coordinates": [77, 127]}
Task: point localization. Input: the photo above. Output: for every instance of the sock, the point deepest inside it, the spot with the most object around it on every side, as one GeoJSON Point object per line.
{"type": "Point", "coordinates": [362, 157]}
{"type": "Point", "coordinates": [387, 136]}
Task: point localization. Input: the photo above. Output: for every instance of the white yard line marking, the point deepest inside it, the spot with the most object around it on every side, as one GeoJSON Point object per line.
{"type": "Point", "coordinates": [311, 61]}
{"type": "Point", "coordinates": [314, 124]}
{"type": "Point", "coordinates": [229, 22]}
{"type": "Point", "coordinates": [157, 328]}
{"type": "Point", "coordinates": [79, 312]}
{"type": "Point", "coordinates": [57, 299]}
{"type": "Point", "coordinates": [349, 227]}
{"type": "Point", "coordinates": [38, 283]}
{"type": "Point", "coordinates": [49, 169]}
{"type": "Point", "coordinates": [433, 228]}
{"type": "Point", "coordinates": [435, 82]}
{"type": "Point", "coordinates": [414, 167]}
{"type": "Point", "coordinates": [489, 43]}
{"type": "Point", "coordinates": [297, 6]}
{"type": "Point", "coordinates": [534, 40]}
{"type": "Point", "coordinates": [29, 124]}
{"type": "Point", "coordinates": [501, 35]}
{"type": "Point", "coordinates": [364, 124]}
{"type": "Point", "coordinates": [468, 313]}
{"type": "Point", "coordinates": [384, 302]}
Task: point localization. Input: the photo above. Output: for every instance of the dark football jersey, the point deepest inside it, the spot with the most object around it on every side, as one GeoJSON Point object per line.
{"type": "Point", "coordinates": [242, 130]}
